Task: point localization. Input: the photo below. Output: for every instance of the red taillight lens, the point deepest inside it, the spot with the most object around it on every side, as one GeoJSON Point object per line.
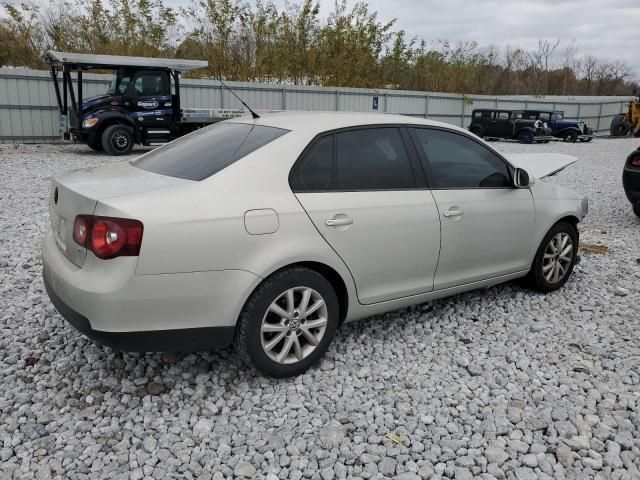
{"type": "Point", "coordinates": [635, 161]}
{"type": "Point", "coordinates": [108, 237]}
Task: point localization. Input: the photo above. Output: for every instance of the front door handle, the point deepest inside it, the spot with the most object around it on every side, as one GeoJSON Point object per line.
{"type": "Point", "coordinates": [454, 212]}
{"type": "Point", "coordinates": [338, 221]}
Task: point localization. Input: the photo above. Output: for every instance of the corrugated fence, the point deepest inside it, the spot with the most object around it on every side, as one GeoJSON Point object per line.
{"type": "Point", "coordinates": [28, 110]}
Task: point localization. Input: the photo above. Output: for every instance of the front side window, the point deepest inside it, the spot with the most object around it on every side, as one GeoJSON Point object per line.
{"type": "Point", "coordinates": [503, 115]}
{"type": "Point", "coordinates": [456, 161]}
{"type": "Point", "coordinates": [544, 116]}
{"type": "Point", "coordinates": [207, 151]}
{"type": "Point", "coordinates": [151, 84]}
{"type": "Point", "coordinates": [557, 115]}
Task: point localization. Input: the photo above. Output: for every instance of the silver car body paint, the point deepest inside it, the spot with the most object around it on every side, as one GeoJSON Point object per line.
{"type": "Point", "coordinates": [207, 245]}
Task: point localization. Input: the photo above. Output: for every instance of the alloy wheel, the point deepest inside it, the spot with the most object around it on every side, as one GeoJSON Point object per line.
{"type": "Point", "coordinates": [557, 258]}
{"type": "Point", "coordinates": [293, 325]}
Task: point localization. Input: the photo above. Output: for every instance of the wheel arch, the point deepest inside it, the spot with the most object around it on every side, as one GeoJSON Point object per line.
{"type": "Point", "coordinates": [328, 272]}
{"type": "Point", "coordinates": [117, 120]}
{"type": "Point", "coordinates": [525, 129]}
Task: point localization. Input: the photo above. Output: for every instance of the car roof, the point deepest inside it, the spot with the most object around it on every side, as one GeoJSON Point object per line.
{"type": "Point", "coordinates": [318, 122]}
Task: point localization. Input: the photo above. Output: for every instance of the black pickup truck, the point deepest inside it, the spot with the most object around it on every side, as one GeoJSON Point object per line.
{"type": "Point", "coordinates": [142, 106]}
{"type": "Point", "coordinates": [508, 124]}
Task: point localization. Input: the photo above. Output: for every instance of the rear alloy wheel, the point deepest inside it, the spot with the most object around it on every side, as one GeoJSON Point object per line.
{"type": "Point", "coordinates": [570, 137]}
{"type": "Point", "coordinates": [555, 258]}
{"type": "Point", "coordinates": [288, 322]}
{"type": "Point", "coordinates": [525, 137]}
{"type": "Point", "coordinates": [117, 140]}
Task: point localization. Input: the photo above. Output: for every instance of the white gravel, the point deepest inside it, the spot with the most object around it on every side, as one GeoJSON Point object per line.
{"type": "Point", "coordinates": [498, 383]}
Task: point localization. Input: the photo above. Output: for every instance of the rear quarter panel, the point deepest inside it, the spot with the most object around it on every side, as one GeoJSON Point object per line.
{"type": "Point", "coordinates": [201, 227]}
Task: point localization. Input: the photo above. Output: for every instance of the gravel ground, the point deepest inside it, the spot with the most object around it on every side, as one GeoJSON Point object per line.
{"type": "Point", "coordinates": [498, 383]}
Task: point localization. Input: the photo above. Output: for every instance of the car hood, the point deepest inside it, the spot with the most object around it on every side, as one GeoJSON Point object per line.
{"type": "Point", "coordinates": [541, 165]}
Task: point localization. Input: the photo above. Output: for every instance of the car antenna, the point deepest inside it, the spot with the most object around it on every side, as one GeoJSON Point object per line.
{"type": "Point", "coordinates": [253, 114]}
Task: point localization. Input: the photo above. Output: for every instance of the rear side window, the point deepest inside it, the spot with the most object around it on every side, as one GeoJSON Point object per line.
{"type": "Point", "coordinates": [315, 171]}
{"type": "Point", "coordinates": [456, 161]}
{"type": "Point", "coordinates": [372, 159]}
{"type": "Point", "coordinates": [207, 151]}
{"type": "Point", "coordinates": [355, 160]}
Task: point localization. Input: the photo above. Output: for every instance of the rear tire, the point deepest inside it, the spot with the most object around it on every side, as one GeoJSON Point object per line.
{"type": "Point", "coordinates": [274, 333]}
{"type": "Point", "coordinates": [636, 209]}
{"type": "Point", "coordinates": [554, 260]}
{"type": "Point", "coordinates": [525, 136]}
{"type": "Point", "coordinates": [586, 140]}
{"type": "Point", "coordinates": [617, 121]}
{"type": "Point", "coordinates": [570, 136]}
{"type": "Point", "coordinates": [117, 140]}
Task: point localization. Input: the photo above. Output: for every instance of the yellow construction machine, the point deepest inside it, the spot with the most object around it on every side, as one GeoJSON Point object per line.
{"type": "Point", "coordinates": [628, 122]}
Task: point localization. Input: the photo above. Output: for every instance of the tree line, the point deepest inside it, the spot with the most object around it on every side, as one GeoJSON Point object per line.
{"type": "Point", "coordinates": [351, 47]}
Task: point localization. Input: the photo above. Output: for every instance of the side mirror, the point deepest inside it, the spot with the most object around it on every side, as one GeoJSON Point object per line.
{"type": "Point", "coordinates": [521, 179]}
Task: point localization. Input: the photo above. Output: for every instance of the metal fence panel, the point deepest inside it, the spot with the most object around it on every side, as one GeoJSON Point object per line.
{"type": "Point", "coordinates": [28, 111]}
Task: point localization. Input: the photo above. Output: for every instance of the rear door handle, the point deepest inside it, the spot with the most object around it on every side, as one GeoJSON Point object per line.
{"type": "Point", "coordinates": [337, 222]}
{"type": "Point", "coordinates": [453, 213]}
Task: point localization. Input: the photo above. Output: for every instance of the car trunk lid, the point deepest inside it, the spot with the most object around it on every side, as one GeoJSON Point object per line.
{"type": "Point", "coordinates": [78, 192]}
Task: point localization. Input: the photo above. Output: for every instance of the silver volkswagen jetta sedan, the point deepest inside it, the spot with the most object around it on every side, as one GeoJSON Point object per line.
{"type": "Point", "coordinates": [269, 233]}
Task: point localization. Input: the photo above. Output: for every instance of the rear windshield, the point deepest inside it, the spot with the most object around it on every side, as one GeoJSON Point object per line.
{"type": "Point", "coordinates": [207, 151]}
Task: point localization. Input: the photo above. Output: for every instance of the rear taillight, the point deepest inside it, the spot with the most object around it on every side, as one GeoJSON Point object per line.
{"type": "Point", "coordinates": [108, 237]}
{"type": "Point", "coordinates": [634, 161]}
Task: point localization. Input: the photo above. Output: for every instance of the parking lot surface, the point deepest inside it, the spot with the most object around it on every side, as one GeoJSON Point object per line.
{"type": "Point", "coordinates": [496, 383]}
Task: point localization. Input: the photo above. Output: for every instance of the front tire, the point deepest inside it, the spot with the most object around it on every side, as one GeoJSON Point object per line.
{"type": "Point", "coordinates": [117, 140]}
{"type": "Point", "coordinates": [288, 322]}
{"type": "Point", "coordinates": [525, 137]}
{"type": "Point", "coordinates": [570, 136]}
{"type": "Point", "coordinates": [555, 258]}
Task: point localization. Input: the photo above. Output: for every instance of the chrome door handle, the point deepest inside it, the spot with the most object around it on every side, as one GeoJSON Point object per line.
{"type": "Point", "coordinates": [453, 213]}
{"type": "Point", "coordinates": [337, 222]}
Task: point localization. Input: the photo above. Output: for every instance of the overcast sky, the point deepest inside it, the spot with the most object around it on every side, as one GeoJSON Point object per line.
{"type": "Point", "coordinates": [605, 28]}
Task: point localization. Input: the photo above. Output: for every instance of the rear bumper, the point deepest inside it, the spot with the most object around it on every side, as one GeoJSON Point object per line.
{"type": "Point", "coordinates": [177, 340]}
{"type": "Point", "coordinates": [106, 301]}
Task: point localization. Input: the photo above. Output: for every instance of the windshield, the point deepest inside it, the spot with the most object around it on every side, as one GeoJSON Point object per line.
{"type": "Point", "coordinates": [207, 151]}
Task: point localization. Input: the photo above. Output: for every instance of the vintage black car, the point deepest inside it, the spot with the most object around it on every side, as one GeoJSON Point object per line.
{"type": "Point", "coordinates": [510, 124]}
{"type": "Point", "coordinates": [631, 180]}
{"type": "Point", "coordinates": [566, 129]}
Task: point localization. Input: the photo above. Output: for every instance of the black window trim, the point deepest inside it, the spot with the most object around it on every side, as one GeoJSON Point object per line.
{"type": "Point", "coordinates": [420, 182]}
{"type": "Point", "coordinates": [428, 171]}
